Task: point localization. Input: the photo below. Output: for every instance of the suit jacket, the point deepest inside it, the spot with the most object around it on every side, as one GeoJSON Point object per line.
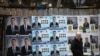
{"type": "Point", "coordinates": [10, 51]}
{"type": "Point", "coordinates": [52, 38]}
{"type": "Point", "coordinates": [9, 30]}
{"type": "Point", "coordinates": [93, 41]}
{"type": "Point", "coordinates": [39, 53]}
{"type": "Point", "coordinates": [69, 41]}
{"type": "Point", "coordinates": [34, 39]}
{"type": "Point", "coordinates": [24, 52]}
{"type": "Point", "coordinates": [69, 22]}
{"type": "Point", "coordinates": [86, 25]}
{"type": "Point", "coordinates": [87, 45]}
{"type": "Point", "coordinates": [92, 22]}
{"type": "Point", "coordinates": [34, 25]}
{"type": "Point", "coordinates": [52, 53]}
{"type": "Point", "coordinates": [52, 25]}
{"type": "Point", "coordinates": [22, 30]}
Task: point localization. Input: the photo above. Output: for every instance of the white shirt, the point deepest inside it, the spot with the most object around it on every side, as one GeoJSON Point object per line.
{"type": "Point", "coordinates": [26, 47]}
{"type": "Point", "coordinates": [54, 53]}
{"type": "Point", "coordinates": [14, 49]}
{"type": "Point", "coordinates": [12, 27]}
{"type": "Point", "coordinates": [54, 37]}
{"type": "Point", "coordinates": [37, 38]}
{"type": "Point", "coordinates": [25, 27]}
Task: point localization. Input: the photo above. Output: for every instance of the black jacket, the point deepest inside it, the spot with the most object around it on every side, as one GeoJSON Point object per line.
{"type": "Point", "coordinates": [10, 51]}
{"type": "Point", "coordinates": [34, 25]}
{"type": "Point", "coordinates": [23, 51]}
{"type": "Point", "coordinates": [87, 45]}
{"type": "Point", "coordinates": [77, 47]}
{"type": "Point", "coordinates": [39, 53]}
{"type": "Point", "coordinates": [86, 25]}
{"type": "Point", "coordinates": [22, 30]}
{"type": "Point", "coordinates": [52, 25]}
{"type": "Point", "coordinates": [69, 22]}
{"type": "Point", "coordinates": [52, 38]}
{"type": "Point", "coordinates": [52, 53]}
{"type": "Point", "coordinates": [34, 39]}
{"type": "Point", "coordinates": [9, 30]}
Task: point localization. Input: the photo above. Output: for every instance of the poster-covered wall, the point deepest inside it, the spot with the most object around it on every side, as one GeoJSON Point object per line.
{"type": "Point", "coordinates": [41, 35]}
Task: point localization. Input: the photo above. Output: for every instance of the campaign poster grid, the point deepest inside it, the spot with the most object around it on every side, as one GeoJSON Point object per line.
{"type": "Point", "coordinates": [46, 32]}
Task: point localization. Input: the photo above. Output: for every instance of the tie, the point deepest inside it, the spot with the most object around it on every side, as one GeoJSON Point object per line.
{"type": "Point", "coordinates": [36, 53]}
{"type": "Point", "coordinates": [14, 50]}
{"type": "Point", "coordinates": [54, 53]}
{"type": "Point", "coordinates": [36, 25]}
{"type": "Point", "coordinates": [25, 27]}
{"type": "Point", "coordinates": [54, 39]}
{"type": "Point", "coordinates": [12, 28]}
{"type": "Point", "coordinates": [54, 25]}
{"type": "Point", "coordinates": [26, 49]}
{"type": "Point", "coordinates": [36, 39]}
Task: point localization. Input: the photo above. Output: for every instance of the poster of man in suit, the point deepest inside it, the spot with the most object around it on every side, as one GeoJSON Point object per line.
{"type": "Point", "coordinates": [26, 47]}
{"type": "Point", "coordinates": [25, 26]}
{"type": "Point", "coordinates": [12, 46]}
{"type": "Point", "coordinates": [12, 26]}
{"type": "Point", "coordinates": [57, 22]}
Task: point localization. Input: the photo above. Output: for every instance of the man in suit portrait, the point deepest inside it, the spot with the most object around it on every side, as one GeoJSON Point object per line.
{"type": "Point", "coordinates": [12, 29]}
{"type": "Point", "coordinates": [69, 21]}
{"type": "Point", "coordinates": [54, 24]}
{"type": "Point", "coordinates": [25, 29]}
{"type": "Point", "coordinates": [37, 38]}
{"type": "Point", "coordinates": [93, 21]}
{"type": "Point", "coordinates": [85, 24]}
{"type": "Point", "coordinates": [55, 52]}
{"type": "Point", "coordinates": [36, 24]}
{"type": "Point", "coordinates": [92, 39]}
{"type": "Point", "coordinates": [26, 49]}
{"type": "Point", "coordinates": [13, 50]}
{"type": "Point", "coordinates": [54, 38]}
{"type": "Point", "coordinates": [70, 40]}
{"type": "Point", "coordinates": [86, 44]}
{"type": "Point", "coordinates": [37, 52]}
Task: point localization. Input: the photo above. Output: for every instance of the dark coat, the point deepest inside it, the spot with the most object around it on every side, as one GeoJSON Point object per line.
{"type": "Point", "coordinates": [87, 45]}
{"type": "Point", "coordinates": [52, 38]}
{"type": "Point", "coordinates": [10, 51]}
{"type": "Point", "coordinates": [69, 22]}
{"type": "Point", "coordinates": [22, 30]}
{"type": "Point", "coordinates": [39, 53]}
{"type": "Point", "coordinates": [34, 39]}
{"type": "Point", "coordinates": [51, 24]}
{"type": "Point", "coordinates": [77, 47]}
{"type": "Point", "coordinates": [34, 24]}
{"type": "Point", "coordinates": [52, 53]}
{"type": "Point", "coordinates": [9, 30]}
{"type": "Point", "coordinates": [23, 51]}
{"type": "Point", "coordinates": [86, 25]}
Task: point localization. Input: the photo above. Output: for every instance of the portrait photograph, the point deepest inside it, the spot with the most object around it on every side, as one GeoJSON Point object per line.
{"type": "Point", "coordinates": [40, 22]}
{"type": "Point", "coordinates": [72, 23]}
{"type": "Point", "coordinates": [94, 23]}
{"type": "Point", "coordinates": [58, 22]}
{"type": "Point", "coordinates": [25, 25]}
{"type": "Point", "coordinates": [26, 45]}
{"type": "Point", "coordinates": [12, 25]}
{"type": "Point", "coordinates": [40, 36]}
{"type": "Point", "coordinates": [12, 46]}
